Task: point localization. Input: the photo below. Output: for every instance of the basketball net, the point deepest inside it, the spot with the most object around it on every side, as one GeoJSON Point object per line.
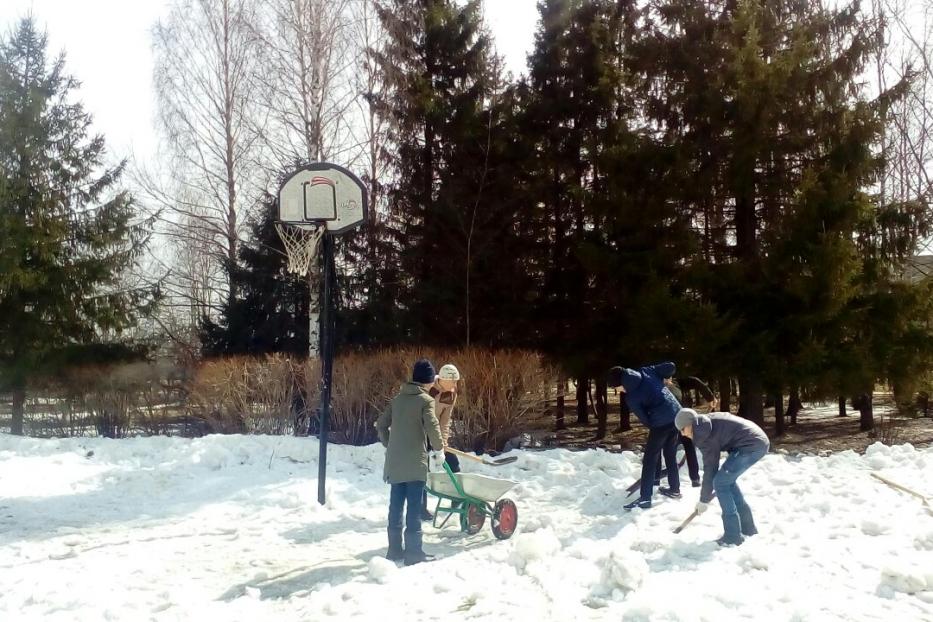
{"type": "Point", "coordinates": [300, 245]}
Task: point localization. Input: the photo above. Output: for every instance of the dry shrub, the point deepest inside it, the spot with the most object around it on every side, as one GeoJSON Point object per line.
{"type": "Point", "coordinates": [109, 396]}
{"type": "Point", "coordinates": [890, 429]}
{"type": "Point", "coordinates": [53, 410]}
{"type": "Point", "coordinates": [501, 390]}
{"type": "Point", "coordinates": [246, 395]}
{"type": "Point", "coordinates": [362, 386]}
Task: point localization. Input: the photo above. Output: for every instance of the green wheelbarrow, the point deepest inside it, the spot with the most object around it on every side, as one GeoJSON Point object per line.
{"type": "Point", "coordinates": [473, 497]}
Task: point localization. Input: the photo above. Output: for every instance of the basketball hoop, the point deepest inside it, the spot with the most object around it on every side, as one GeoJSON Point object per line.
{"type": "Point", "coordinates": [300, 243]}
{"type": "Point", "coordinates": [318, 199]}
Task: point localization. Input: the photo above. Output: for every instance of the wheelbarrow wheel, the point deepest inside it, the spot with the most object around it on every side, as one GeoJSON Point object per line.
{"type": "Point", "coordinates": [504, 519]}
{"type": "Point", "coordinates": [473, 520]}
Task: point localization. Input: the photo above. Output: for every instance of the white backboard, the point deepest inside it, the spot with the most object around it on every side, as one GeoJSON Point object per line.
{"type": "Point", "coordinates": [323, 192]}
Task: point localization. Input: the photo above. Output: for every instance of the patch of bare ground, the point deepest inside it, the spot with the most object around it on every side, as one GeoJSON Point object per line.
{"type": "Point", "coordinates": [819, 430]}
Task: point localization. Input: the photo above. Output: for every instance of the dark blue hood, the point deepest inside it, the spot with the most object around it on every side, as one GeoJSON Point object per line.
{"type": "Point", "coordinates": [631, 379]}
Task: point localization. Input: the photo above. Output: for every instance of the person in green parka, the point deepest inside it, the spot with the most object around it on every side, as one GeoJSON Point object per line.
{"type": "Point", "coordinates": [402, 428]}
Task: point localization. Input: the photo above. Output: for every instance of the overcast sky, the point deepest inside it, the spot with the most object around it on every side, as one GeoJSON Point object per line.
{"type": "Point", "coordinates": [108, 47]}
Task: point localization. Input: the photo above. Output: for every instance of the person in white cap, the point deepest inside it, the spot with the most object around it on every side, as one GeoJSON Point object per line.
{"type": "Point", "coordinates": [444, 393]}
{"type": "Point", "coordinates": [746, 444]}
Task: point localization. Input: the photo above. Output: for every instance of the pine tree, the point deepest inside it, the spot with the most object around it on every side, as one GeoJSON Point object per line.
{"type": "Point", "coordinates": [68, 231]}
{"type": "Point", "coordinates": [762, 104]}
{"type": "Point", "coordinates": [443, 102]}
{"type": "Point", "coordinates": [609, 242]}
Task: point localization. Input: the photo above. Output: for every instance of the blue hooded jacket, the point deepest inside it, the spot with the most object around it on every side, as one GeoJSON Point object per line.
{"type": "Point", "coordinates": [647, 397]}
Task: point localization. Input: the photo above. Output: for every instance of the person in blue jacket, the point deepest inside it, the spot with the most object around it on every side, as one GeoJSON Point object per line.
{"type": "Point", "coordinates": [655, 406]}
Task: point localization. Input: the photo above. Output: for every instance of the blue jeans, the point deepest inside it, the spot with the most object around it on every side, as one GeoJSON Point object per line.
{"type": "Point", "coordinates": [406, 495]}
{"type": "Point", "coordinates": [736, 515]}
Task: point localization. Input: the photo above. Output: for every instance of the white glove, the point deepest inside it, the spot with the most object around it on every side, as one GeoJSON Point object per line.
{"type": "Point", "coordinates": [701, 507]}
{"type": "Point", "coordinates": [436, 461]}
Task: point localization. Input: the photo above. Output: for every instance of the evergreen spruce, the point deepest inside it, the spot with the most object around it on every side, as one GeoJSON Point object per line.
{"type": "Point", "coordinates": [269, 312]}
{"type": "Point", "coordinates": [69, 233]}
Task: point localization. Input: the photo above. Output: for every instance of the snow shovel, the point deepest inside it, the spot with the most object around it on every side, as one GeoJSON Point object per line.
{"type": "Point", "coordinates": [687, 520]}
{"type": "Point", "coordinates": [913, 493]}
{"type": "Point", "coordinates": [663, 473]}
{"type": "Point", "coordinates": [498, 462]}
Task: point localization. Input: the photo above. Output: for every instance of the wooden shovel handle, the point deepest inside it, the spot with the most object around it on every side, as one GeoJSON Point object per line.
{"type": "Point", "coordinates": [686, 522]}
{"type": "Point", "coordinates": [897, 486]}
{"type": "Point", "coordinates": [463, 454]}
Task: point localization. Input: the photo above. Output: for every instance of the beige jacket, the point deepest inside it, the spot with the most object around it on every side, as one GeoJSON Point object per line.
{"type": "Point", "coordinates": [444, 403]}
{"type": "Point", "coordinates": [402, 428]}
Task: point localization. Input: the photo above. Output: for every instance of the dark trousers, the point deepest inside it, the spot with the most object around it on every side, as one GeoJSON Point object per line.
{"type": "Point", "coordinates": [407, 496]}
{"type": "Point", "coordinates": [693, 465]}
{"type": "Point", "coordinates": [454, 463]}
{"type": "Point", "coordinates": [661, 440]}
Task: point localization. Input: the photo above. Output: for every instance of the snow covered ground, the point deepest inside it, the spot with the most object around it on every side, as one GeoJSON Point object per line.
{"type": "Point", "coordinates": [228, 528]}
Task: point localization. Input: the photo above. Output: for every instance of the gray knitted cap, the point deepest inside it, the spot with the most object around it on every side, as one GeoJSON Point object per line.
{"type": "Point", "coordinates": [685, 417]}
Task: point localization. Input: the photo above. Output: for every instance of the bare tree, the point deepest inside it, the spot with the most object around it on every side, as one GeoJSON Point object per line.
{"type": "Point", "coordinates": [307, 96]}
{"type": "Point", "coordinates": [370, 134]}
{"type": "Point", "coordinates": [305, 79]}
{"type": "Point", "coordinates": [906, 33]}
{"type": "Point", "coordinates": [206, 56]}
{"type": "Point", "coordinates": [371, 131]}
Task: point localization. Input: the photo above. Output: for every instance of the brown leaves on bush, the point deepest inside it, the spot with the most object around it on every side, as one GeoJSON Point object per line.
{"type": "Point", "coordinates": [247, 395]}
{"type": "Point", "coordinates": [499, 392]}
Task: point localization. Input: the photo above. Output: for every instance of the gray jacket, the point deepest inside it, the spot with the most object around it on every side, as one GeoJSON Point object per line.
{"type": "Point", "coordinates": [718, 432]}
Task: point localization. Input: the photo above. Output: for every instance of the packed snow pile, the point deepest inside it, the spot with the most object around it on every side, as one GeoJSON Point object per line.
{"type": "Point", "coordinates": [228, 528]}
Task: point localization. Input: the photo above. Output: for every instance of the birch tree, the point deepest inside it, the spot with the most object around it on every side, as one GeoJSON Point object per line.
{"type": "Point", "coordinates": [206, 63]}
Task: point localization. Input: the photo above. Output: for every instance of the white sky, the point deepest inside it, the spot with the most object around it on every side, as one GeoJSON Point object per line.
{"type": "Point", "coordinates": [108, 48]}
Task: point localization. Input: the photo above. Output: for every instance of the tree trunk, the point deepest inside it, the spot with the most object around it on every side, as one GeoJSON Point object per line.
{"type": "Point", "coordinates": [750, 399]}
{"type": "Point", "coordinates": [625, 414]}
{"type": "Point", "coordinates": [583, 389]}
{"type": "Point", "coordinates": [778, 413]}
{"type": "Point", "coordinates": [842, 406]}
{"type": "Point", "coordinates": [602, 406]}
{"type": "Point", "coordinates": [19, 401]}
{"type": "Point", "coordinates": [867, 418]}
{"type": "Point", "coordinates": [794, 405]}
{"type": "Point", "coordinates": [725, 394]}
{"type": "Point", "coordinates": [561, 388]}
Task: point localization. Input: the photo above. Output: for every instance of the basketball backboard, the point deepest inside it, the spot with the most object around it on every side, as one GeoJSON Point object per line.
{"type": "Point", "coordinates": [323, 193]}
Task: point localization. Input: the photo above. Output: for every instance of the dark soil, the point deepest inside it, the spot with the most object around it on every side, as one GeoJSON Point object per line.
{"type": "Point", "coordinates": [819, 430]}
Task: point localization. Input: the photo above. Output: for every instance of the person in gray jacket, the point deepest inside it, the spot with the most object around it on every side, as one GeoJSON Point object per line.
{"type": "Point", "coordinates": [402, 428]}
{"type": "Point", "coordinates": [746, 444]}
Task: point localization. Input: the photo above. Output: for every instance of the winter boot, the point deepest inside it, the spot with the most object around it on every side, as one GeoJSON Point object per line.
{"type": "Point", "coordinates": [748, 522]}
{"type": "Point", "coordinates": [414, 553]}
{"type": "Point", "coordinates": [730, 527]}
{"type": "Point", "coordinates": [642, 504]}
{"type": "Point", "coordinates": [667, 492]}
{"type": "Point", "coordinates": [695, 483]}
{"type": "Point", "coordinates": [426, 515]}
{"type": "Point", "coordinates": [395, 553]}
{"type": "Point", "coordinates": [727, 541]}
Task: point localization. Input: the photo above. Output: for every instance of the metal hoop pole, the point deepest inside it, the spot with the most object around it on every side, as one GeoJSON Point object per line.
{"type": "Point", "coordinates": [327, 359]}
